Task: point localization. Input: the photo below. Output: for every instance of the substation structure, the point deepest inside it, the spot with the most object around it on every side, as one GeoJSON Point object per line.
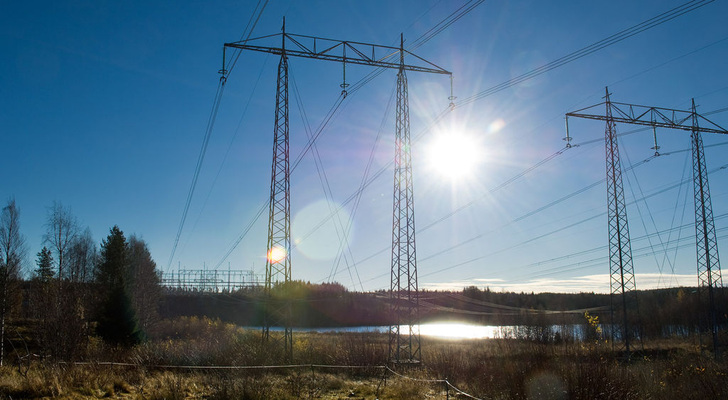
{"type": "Point", "coordinates": [621, 270]}
{"type": "Point", "coordinates": [212, 281]}
{"type": "Point", "coordinates": [404, 344]}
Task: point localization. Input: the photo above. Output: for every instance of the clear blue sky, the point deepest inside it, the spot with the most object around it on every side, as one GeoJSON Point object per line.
{"type": "Point", "coordinates": [104, 104]}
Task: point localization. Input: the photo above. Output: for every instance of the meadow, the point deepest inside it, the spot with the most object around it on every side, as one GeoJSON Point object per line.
{"type": "Point", "coordinates": [201, 358]}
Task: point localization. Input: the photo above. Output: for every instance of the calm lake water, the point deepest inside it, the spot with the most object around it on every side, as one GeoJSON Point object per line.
{"type": "Point", "coordinates": [453, 330]}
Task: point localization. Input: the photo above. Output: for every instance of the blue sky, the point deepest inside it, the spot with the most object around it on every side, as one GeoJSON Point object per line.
{"type": "Point", "coordinates": [103, 107]}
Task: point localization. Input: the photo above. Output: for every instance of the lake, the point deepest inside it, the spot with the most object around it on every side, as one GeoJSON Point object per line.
{"type": "Point", "coordinates": [456, 330]}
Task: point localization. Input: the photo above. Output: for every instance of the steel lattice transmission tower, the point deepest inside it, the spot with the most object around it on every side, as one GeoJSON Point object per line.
{"type": "Point", "coordinates": [708, 266]}
{"type": "Point", "coordinates": [278, 266]}
{"type": "Point", "coordinates": [621, 269]}
{"type": "Point", "coordinates": [404, 294]}
{"type": "Point", "coordinates": [278, 254]}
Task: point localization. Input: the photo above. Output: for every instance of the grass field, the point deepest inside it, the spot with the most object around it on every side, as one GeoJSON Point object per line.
{"type": "Point", "coordinates": [489, 369]}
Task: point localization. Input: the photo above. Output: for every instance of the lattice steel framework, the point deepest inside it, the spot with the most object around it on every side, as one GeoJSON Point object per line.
{"type": "Point", "coordinates": [621, 269]}
{"type": "Point", "coordinates": [278, 255]}
{"type": "Point", "coordinates": [709, 275]}
{"type": "Point", "coordinates": [279, 263]}
{"type": "Point", "coordinates": [403, 346]}
{"type": "Point", "coordinates": [205, 280]}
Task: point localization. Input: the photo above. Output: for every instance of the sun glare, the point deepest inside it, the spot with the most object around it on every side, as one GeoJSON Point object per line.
{"type": "Point", "coordinates": [451, 330]}
{"type": "Point", "coordinates": [276, 254]}
{"type": "Point", "coordinates": [454, 155]}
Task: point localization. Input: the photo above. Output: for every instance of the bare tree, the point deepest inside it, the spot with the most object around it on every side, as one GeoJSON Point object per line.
{"type": "Point", "coordinates": [62, 307]}
{"type": "Point", "coordinates": [62, 231]}
{"type": "Point", "coordinates": [12, 253]}
{"type": "Point", "coordinates": [81, 258]}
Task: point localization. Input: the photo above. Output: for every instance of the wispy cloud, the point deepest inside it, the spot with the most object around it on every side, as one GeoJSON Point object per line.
{"type": "Point", "coordinates": [589, 283]}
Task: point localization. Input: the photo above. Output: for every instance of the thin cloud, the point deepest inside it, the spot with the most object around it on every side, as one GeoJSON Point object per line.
{"type": "Point", "coordinates": [598, 283]}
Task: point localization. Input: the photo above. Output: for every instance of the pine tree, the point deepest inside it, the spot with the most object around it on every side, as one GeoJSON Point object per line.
{"type": "Point", "coordinates": [118, 323]}
{"type": "Point", "coordinates": [45, 265]}
{"type": "Point", "coordinates": [145, 288]}
{"type": "Point", "coordinates": [111, 272]}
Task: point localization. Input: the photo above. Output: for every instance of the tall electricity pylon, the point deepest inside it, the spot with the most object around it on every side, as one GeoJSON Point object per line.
{"type": "Point", "coordinates": [403, 347]}
{"type": "Point", "coordinates": [404, 266]}
{"type": "Point", "coordinates": [708, 265]}
{"type": "Point", "coordinates": [278, 259]}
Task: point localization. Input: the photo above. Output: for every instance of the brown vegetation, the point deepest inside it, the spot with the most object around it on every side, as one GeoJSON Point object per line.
{"type": "Point", "coordinates": [491, 368]}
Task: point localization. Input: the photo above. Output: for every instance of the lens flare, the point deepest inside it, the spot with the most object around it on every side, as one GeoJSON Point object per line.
{"type": "Point", "coordinates": [496, 125]}
{"type": "Point", "coordinates": [316, 230]}
{"type": "Point", "coordinates": [276, 254]}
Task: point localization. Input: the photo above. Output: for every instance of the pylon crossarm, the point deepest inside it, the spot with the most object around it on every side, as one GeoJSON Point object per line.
{"type": "Point", "coordinates": [344, 51]}
{"type": "Point", "coordinates": [650, 116]}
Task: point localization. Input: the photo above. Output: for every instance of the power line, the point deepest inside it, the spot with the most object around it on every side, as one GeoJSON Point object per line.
{"type": "Point", "coordinates": [663, 190]}
{"type": "Point", "coordinates": [558, 230]}
{"type": "Point", "coordinates": [446, 22]}
{"type": "Point", "coordinates": [227, 152]}
{"type": "Point", "coordinates": [353, 89]}
{"type": "Point", "coordinates": [206, 140]}
{"type": "Point", "coordinates": [326, 186]}
{"type": "Point", "coordinates": [594, 47]}
{"type": "Point", "coordinates": [363, 182]}
{"type": "Point", "coordinates": [198, 166]}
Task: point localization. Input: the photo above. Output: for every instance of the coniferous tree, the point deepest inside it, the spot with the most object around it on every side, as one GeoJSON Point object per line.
{"type": "Point", "coordinates": [111, 271]}
{"type": "Point", "coordinates": [118, 323]}
{"type": "Point", "coordinates": [45, 305]}
{"type": "Point", "coordinates": [44, 272]}
{"type": "Point", "coordinates": [146, 288]}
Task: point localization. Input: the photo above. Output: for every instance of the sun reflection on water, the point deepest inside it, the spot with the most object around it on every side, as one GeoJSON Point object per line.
{"type": "Point", "coordinates": [452, 330]}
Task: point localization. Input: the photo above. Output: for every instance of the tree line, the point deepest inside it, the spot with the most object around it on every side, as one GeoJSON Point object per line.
{"type": "Point", "coordinates": [653, 314]}
{"type": "Point", "coordinates": [77, 290]}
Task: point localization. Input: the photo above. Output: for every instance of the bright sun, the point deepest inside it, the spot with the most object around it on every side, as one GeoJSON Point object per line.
{"type": "Point", "coordinates": [454, 155]}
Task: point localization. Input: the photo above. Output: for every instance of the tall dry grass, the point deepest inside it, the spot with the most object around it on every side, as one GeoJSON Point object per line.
{"type": "Point", "coordinates": [515, 369]}
{"type": "Point", "coordinates": [493, 369]}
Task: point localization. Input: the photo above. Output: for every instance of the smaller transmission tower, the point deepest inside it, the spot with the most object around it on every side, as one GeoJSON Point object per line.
{"type": "Point", "coordinates": [708, 266]}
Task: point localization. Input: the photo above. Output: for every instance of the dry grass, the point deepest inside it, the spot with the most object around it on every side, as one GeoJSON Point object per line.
{"type": "Point", "coordinates": [493, 369]}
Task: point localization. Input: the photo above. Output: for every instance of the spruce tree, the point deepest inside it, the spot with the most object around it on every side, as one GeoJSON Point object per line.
{"type": "Point", "coordinates": [118, 323]}
{"type": "Point", "coordinates": [45, 265]}
{"type": "Point", "coordinates": [111, 271]}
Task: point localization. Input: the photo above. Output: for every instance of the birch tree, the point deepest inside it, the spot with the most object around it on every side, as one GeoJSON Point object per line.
{"type": "Point", "coordinates": [61, 233]}
{"type": "Point", "coordinates": [12, 253]}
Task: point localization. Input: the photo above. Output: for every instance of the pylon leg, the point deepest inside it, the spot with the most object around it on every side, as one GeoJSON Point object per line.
{"type": "Point", "coordinates": [709, 275]}
{"type": "Point", "coordinates": [621, 270]}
